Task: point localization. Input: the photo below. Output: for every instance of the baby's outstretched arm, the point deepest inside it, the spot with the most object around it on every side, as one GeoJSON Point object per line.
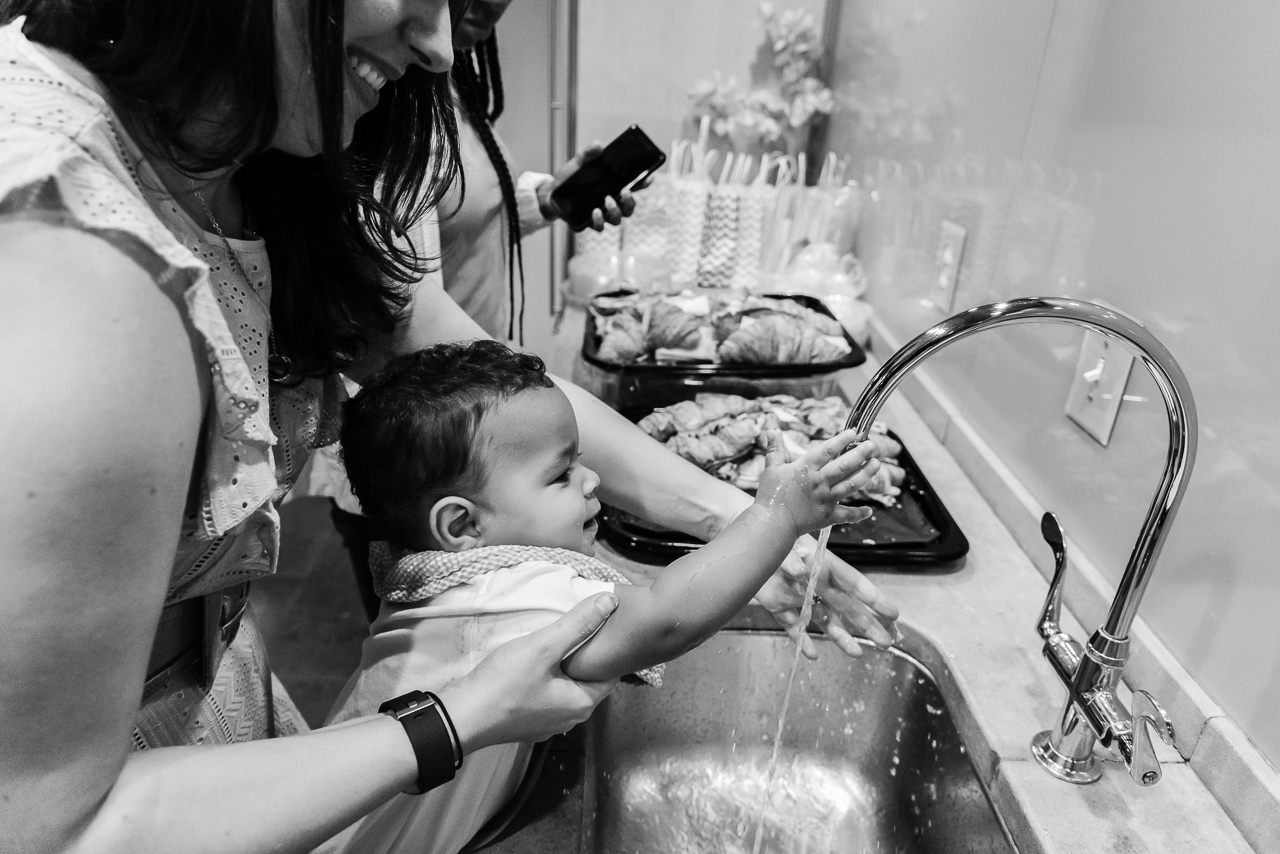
{"type": "Point", "coordinates": [700, 592]}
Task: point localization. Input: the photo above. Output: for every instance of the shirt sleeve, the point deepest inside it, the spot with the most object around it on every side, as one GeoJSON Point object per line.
{"type": "Point", "coordinates": [531, 218]}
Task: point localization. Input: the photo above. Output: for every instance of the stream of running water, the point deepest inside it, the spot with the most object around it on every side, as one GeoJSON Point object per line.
{"type": "Point", "coordinates": [806, 612]}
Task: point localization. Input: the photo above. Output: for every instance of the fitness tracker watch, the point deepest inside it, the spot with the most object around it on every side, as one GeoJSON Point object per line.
{"type": "Point", "coordinates": [431, 732]}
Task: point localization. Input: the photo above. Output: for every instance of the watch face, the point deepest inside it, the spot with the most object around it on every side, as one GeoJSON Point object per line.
{"type": "Point", "coordinates": [406, 703]}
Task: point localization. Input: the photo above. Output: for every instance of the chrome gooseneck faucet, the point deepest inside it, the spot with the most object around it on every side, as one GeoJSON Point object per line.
{"type": "Point", "coordinates": [1092, 711]}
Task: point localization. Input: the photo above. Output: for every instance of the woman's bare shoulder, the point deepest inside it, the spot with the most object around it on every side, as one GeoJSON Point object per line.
{"type": "Point", "coordinates": [91, 336]}
{"type": "Point", "coordinates": [88, 292]}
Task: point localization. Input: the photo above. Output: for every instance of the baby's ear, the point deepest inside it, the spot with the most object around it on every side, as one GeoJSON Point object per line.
{"type": "Point", "coordinates": [453, 524]}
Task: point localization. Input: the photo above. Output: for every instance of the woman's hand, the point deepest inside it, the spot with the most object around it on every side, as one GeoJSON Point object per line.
{"type": "Point", "coordinates": [615, 208]}
{"type": "Point", "coordinates": [520, 693]}
{"type": "Point", "coordinates": [849, 604]}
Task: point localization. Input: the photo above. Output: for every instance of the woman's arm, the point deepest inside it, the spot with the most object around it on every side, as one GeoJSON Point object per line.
{"type": "Point", "coordinates": [291, 794]}
{"type": "Point", "coordinates": [693, 597]}
{"type": "Point", "coordinates": [103, 407]}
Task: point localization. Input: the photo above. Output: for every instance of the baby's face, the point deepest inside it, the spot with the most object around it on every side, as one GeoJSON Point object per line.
{"type": "Point", "coordinates": [537, 493]}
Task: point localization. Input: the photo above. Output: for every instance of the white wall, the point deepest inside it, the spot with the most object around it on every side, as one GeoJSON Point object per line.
{"type": "Point", "coordinates": [637, 61]}
{"type": "Point", "coordinates": [1175, 106]}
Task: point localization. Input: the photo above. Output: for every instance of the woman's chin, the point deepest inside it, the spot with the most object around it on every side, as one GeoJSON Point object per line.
{"type": "Point", "coordinates": [308, 142]}
{"type": "Point", "coordinates": [296, 143]}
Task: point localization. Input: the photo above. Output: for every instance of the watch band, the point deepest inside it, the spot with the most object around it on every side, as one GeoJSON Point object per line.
{"type": "Point", "coordinates": [430, 731]}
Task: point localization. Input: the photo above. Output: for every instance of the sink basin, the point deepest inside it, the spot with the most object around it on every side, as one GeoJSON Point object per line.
{"type": "Point", "coordinates": [871, 760]}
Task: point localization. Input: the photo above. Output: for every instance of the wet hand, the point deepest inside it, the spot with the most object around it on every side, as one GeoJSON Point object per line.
{"type": "Point", "coordinates": [849, 606]}
{"type": "Point", "coordinates": [808, 491]}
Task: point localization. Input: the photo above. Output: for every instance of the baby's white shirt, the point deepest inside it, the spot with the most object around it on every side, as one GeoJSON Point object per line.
{"type": "Point", "coordinates": [427, 646]}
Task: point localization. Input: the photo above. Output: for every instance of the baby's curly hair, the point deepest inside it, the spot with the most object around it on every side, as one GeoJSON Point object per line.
{"type": "Point", "coordinates": [407, 436]}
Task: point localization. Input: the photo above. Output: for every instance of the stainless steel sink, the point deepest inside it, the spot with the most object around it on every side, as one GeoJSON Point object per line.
{"type": "Point", "coordinates": [871, 761]}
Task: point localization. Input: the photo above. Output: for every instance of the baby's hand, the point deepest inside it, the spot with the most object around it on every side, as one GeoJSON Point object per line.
{"type": "Point", "coordinates": [808, 491]}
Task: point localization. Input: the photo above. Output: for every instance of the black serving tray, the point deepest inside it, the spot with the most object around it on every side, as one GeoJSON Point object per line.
{"type": "Point", "coordinates": [917, 533]}
{"type": "Point", "coordinates": [678, 370]}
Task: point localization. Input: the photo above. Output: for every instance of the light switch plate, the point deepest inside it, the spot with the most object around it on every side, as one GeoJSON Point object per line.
{"type": "Point", "coordinates": [1102, 372]}
{"type": "Point", "coordinates": [947, 264]}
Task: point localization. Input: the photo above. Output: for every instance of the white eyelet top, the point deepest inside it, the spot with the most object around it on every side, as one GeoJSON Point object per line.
{"type": "Point", "coordinates": [63, 153]}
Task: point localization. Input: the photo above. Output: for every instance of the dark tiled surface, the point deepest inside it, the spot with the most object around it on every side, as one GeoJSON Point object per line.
{"type": "Point", "coordinates": [550, 822]}
{"type": "Point", "coordinates": [310, 611]}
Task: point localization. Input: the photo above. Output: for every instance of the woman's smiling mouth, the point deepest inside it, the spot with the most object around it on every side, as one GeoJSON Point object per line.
{"type": "Point", "coordinates": [366, 72]}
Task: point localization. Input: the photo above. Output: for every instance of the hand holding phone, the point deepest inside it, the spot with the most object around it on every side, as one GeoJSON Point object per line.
{"type": "Point", "coordinates": [628, 159]}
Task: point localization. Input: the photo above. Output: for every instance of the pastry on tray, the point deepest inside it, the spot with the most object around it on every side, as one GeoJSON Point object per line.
{"type": "Point", "coordinates": [777, 338]}
{"type": "Point", "coordinates": [725, 434]}
{"type": "Point", "coordinates": [718, 327]}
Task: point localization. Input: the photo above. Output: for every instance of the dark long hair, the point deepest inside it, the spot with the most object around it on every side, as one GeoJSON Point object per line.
{"type": "Point", "coordinates": [478, 79]}
{"type": "Point", "coordinates": [336, 223]}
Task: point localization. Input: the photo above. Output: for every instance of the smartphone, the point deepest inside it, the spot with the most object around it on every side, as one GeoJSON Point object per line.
{"type": "Point", "coordinates": [624, 161]}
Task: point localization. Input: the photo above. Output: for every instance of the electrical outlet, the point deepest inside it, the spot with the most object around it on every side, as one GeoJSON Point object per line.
{"type": "Point", "coordinates": [1102, 372]}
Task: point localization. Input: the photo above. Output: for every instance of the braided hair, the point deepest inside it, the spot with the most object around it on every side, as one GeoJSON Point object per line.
{"type": "Point", "coordinates": [478, 79]}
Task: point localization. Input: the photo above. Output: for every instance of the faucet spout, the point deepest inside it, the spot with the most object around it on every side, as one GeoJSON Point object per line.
{"type": "Point", "coordinates": [1103, 659]}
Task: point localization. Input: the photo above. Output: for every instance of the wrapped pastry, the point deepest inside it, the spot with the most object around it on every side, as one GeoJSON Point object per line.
{"type": "Point", "coordinates": [749, 472]}
{"type": "Point", "coordinates": [727, 472]}
{"type": "Point", "coordinates": [707, 450]}
{"type": "Point", "coordinates": [825, 404]}
{"type": "Point", "coordinates": [740, 433]}
{"type": "Point", "coordinates": [746, 474]}
{"type": "Point", "coordinates": [703, 351]}
{"type": "Point", "coordinates": [754, 342]}
{"type": "Point", "coordinates": [824, 324]}
{"type": "Point", "coordinates": [814, 347]}
{"type": "Point", "coordinates": [887, 448]}
{"type": "Point", "coordinates": [772, 337]}
{"type": "Point", "coordinates": [790, 419]}
{"type": "Point", "coordinates": [623, 339]}
{"type": "Point", "coordinates": [729, 439]}
{"type": "Point", "coordinates": [885, 486]}
{"type": "Point", "coordinates": [671, 327]}
{"type": "Point", "coordinates": [699, 305]}
{"type": "Point", "coordinates": [659, 424]}
{"type": "Point", "coordinates": [714, 327]}
{"type": "Point", "coordinates": [727, 324]}
{"type": "Point", "coordinates": [714, 406]}
{"type": "Point", "coordinates": [690, 416]}
{"type": "Point", "coordinates": [794, 442]}
{"type": "Point", "coordinates": [829, 418]}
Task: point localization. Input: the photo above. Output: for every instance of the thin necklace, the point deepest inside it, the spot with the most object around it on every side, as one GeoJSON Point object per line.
{"type": "Point", "coordinates": [279, 367]}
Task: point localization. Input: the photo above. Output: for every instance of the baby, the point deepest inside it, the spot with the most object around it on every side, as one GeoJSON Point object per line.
{"type": "Point", "coordinates": [469, 455]}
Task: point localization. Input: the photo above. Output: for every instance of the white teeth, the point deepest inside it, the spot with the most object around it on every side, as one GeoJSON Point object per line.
{"type": "Point", "coordinates": [367, 73]}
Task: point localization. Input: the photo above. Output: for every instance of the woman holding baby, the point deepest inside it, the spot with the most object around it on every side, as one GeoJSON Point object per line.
{"type": "Point", "coordinates": [204, 209]}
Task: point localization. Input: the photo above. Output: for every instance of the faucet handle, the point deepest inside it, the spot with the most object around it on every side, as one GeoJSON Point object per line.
{"type": "Point", "coordinates": [1051, 530]}
{"type": "Point", "coordinates": [1144, 767]}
